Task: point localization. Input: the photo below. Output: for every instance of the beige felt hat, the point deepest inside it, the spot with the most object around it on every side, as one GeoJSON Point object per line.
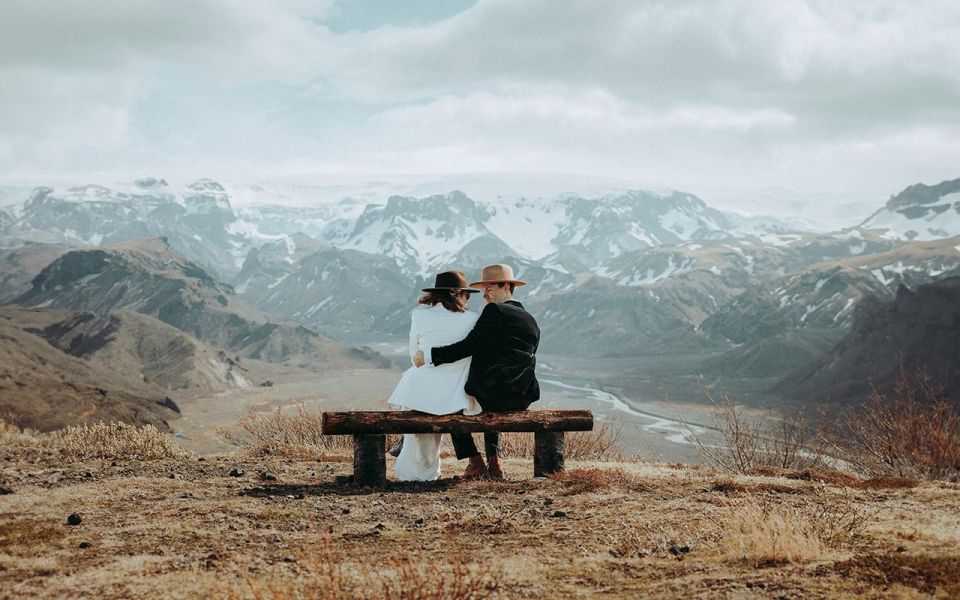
{"type": "Point", "coordinates": [495, 274]}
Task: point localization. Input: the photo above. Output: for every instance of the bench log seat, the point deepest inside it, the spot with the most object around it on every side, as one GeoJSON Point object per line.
{"type": "Point", "coordinates": [369, 429]}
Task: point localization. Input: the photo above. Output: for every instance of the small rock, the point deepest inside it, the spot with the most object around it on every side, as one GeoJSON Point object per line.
{"type": "Point", "coordinates": [175, 476]}
{"type": "Point", "coordinates": [289, 559]}
{"type": "Point", "coordinates": [265, 476]}
{"type": "Point", "coordinates": [345, 511]}
{"type": "Point", "coordinates": [901, 549]}
{"type": "Point", "coordinates": [419, 521]}
{"type": "Point", "coordinates": [678, 550]}
{"type": "Point", "coordinates": [87, 474]}
{"type": "Point", "coordinates": [84, 545]}
{"type": "Point", "coordinates": [379, 526]}
{"type": "Point", "coordinates": [74, 519]}
{"type": "Point", "coordinates": [4, 490]}
{"type": "Point", "coordinates": [558, 514]}
{"type": "Point", "coordinates": [236, 473]}
{"type": "Point", "coordinates": [547, 501]}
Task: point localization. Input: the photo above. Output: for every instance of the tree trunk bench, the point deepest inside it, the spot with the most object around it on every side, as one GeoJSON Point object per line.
{"type": "Point", "coordinates": [370, 428]}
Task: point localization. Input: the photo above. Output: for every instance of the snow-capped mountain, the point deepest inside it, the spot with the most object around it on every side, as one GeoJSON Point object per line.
{"type": "Point", "coordinates": [920, 212]}
{"type": "Point", "coordinates": [197, 221]}
{"type": "Point", "coordinates": [824, 295]}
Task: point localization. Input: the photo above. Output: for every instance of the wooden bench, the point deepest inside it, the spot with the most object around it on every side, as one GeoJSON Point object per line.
{"type": "Point", "coordinates": [369, 429]}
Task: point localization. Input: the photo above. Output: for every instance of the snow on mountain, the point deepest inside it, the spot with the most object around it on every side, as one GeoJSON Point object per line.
{"type": "Point", "coordinates": [419, 234]}
{"type": "Point", "coordinates": [920, 212]}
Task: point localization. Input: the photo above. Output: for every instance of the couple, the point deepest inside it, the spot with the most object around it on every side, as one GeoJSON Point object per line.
{"type": "Point", "coordinates": [469, 363]}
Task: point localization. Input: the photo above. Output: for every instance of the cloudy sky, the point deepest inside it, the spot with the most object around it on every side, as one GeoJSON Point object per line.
{"type": "Point", "coordinates": [815, 96]}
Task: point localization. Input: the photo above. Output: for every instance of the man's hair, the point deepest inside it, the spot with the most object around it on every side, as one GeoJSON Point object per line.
{"type": "Point", "coordinates": [451, 300]}
{"type": "Point", "coordinates": [513, 286]}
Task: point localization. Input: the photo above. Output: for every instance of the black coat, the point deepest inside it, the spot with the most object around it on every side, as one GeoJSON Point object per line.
{"type": "Point", "coordinates": [503, 344]}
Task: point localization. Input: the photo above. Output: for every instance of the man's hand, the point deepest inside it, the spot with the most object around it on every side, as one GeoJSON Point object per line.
{"type": "Point", "coordinates": [418, 359]}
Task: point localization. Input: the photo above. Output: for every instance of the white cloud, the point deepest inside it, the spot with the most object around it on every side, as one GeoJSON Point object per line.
{"type": "Point", "coordinates": [794, 91]}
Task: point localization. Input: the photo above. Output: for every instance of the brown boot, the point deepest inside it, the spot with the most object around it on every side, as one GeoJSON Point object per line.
{"type": "Point", "coordinates": [494, 471]}
{"type": "Point", "coordinates": [476, 469]}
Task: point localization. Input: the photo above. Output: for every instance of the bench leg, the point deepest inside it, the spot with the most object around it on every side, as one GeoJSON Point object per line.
{"type": "Point", "coordinates": [548, 453]}
{"type": "Point", "coordinates": [369, 460]}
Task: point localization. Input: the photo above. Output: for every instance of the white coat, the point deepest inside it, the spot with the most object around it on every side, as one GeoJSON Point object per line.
{"type": "Point", "coordinates": [437, 390]}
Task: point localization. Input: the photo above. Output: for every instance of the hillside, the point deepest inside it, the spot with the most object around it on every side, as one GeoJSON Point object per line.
{"type": "Point", "coordinates": [18, 266]}
{"type": "Point", "coordinates": [134, 344]}
{"type": "Point", "coordinates": [44, 388]}
{"type": "Point", "coordinates": [922, 326]}
{"type": "Point", "coordinates": [148, 277]}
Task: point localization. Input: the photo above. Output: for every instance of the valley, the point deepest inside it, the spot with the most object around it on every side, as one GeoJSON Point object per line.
{"type": "Point", "coordinates": [641, 296]}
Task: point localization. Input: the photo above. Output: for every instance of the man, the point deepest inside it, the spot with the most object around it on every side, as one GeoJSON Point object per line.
{"type": "Point", "coordinates": [503, 344]}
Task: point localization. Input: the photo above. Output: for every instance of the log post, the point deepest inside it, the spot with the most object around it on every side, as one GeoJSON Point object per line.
{"type": "Point", "coordinates": [369, 460]}
{"type": "Point", "coordinates": [548, 453]}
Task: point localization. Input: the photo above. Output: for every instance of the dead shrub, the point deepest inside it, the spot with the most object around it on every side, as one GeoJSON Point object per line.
{"type": "Point", "coordinates": [115, 441]}
{"type": "Point", "coordinates": [602, 444]}
{"type": "Point", "coordinates": [750, 442]}
{"type": "Point", "coordinates": [296, 435]}
{"type": "Point", "coordinates": [578, 481]}
{"type": "Point", "coordinates": [916, 433]}
{"type": "Point", "coordinates": [324, 575]}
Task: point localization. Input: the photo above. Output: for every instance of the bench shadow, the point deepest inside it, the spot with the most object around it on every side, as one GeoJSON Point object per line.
{"type": "Point", "coordinates": [332, 488]}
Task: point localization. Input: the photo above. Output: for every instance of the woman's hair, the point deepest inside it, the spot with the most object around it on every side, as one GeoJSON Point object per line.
{"type": "Point", "coordinates": [452, 300]}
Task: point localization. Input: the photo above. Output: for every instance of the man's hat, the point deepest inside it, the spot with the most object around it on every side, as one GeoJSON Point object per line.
{"type": "Point", "coordinates": [496, 274]}
{"type": "Point", "coordinates": [450, 281]}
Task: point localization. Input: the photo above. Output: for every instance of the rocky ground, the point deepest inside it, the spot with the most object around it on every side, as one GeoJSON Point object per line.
{"type": "Point", "coordinates": [233, 527]}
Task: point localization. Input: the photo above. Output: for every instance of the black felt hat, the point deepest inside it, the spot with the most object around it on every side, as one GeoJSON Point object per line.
{"type": "Point", "coordinates": [450, 281]}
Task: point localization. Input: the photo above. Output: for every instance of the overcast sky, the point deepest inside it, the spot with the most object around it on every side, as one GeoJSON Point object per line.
{"type": "Point", "coordinates": [814, 96]}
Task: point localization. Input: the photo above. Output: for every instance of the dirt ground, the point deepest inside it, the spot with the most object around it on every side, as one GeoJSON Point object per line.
{"type": "Point", "coordinates": [285, 528]}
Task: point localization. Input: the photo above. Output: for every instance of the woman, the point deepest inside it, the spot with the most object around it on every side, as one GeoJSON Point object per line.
{"type": "Point", "coordinates": [441, 318]}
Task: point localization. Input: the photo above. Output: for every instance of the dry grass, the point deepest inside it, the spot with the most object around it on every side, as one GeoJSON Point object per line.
{"type": "Point", "coordinates": [916, 433]}
{"type": "Point", "coordinates": [579, 481]}
{"type": "Point", "coordinates": [603, 443]}
{"type": "Point", "coordinates": [326, 575]}
{"type": "Point", "coordinates": [297, 435]}
{"type": "Point", "coordinates": [764, 533]}
{"type": "Point", "coordinates": [115, 441]}
{"type": "Point", "coordinates": [750, 442]}
{"type": "Point", "coordinates": [616, 530]}
{"type": "Point", "coordinates": [768, 535]}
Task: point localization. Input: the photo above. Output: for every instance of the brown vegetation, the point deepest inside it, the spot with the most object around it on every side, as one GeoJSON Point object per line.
{"type": "Point", "coordinates": [916, 433]}
{"type": "Point", "coordinates": [115, 441]}
{"type": "Point", "coordinates": [751, 442]}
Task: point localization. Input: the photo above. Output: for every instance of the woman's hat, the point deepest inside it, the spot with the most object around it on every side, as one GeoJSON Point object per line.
{"type": "Point", "coordinates": [450, 280]}
{"type": "Point", "coordinates": [496, 274]}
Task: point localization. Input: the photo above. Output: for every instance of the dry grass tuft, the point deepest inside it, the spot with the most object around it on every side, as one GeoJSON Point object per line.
{"type": "Point", "coordinates": [325, 575]}
{"type": "Point", "coordinates": [579, 481]}
{"type": "Point", "coordinates": [600, 444]}
{"type": "Point", "coordinates": [765, 534]}
{"type": "Point", "coordinates": [115, 441]}
{"type": "Point", "coordinates": [298, 435]}
{"type": "Point", "coordinates": [914, 434]}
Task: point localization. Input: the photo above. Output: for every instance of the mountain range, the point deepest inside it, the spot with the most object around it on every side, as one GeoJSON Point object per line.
{"type": "Point", "coordinates": [616, 275]}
